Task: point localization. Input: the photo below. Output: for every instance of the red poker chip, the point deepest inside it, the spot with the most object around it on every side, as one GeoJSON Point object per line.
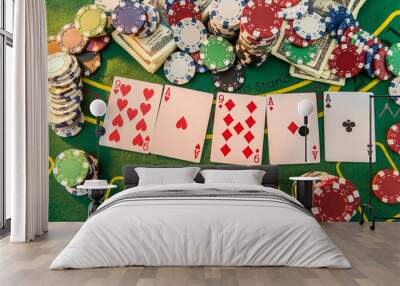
{"type": "Point", "coordinates": [386, 186]}
{"type": "Point", "coordinates": [97, 44]}
{"type": "Point", "coordinates": [261, 20]}
{"type": "Point", "coordinates": [287, 3]}
{"type": "Point", "coordinates": [347, 60]}
{"type": "Point", "coordinates": [295, 39]}
{"type": "Point", "coordinates": [393, 138]}
{"type": "Point", "coordinates": [348, 34]}
{"type": "Point", "coordinates": [335, 199]}
{"type": "Point", "coordinates": [379, 64]}
{"type": "Point", "coordinates": [183, 9]}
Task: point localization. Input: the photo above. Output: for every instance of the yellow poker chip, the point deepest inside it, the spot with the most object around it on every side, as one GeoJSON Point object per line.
{"type": "Point", "coordinates": [91, 20]}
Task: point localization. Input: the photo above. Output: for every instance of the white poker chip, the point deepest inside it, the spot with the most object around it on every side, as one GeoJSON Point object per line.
{"type": "Point", "coordinates": [153, 19]}
{"type": "Point", "coordinates": [394, 89]}
{"type": "Point", "coordinates": [179, 68]}
{"type": "Point", "coordinates": [310, 27]}
{"type": "Point", "coordinates": [226, 13]}
{"type": "Point", "coordinates": [297, 11]}
{"type": "Point", "coordinates": [189, 34]}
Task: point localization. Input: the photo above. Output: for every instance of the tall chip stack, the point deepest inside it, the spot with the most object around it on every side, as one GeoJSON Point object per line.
{"type": "Point", "coordinates": [260, 26]}
{"type": "Point", "coordinates": [64, 95]}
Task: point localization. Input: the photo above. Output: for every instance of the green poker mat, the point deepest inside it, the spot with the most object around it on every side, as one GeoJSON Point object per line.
{"type": "Point", "coordinates": [381, 17]}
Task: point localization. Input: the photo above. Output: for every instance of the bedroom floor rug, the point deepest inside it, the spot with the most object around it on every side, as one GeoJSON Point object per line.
{"type": "Point", "coordinates": [375, 257]}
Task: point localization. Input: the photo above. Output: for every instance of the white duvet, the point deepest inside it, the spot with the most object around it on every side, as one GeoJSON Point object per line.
{"type": "Point", "coordinates": [191, 231]}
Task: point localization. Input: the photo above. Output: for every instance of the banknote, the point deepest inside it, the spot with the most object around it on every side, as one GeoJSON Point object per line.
{"type": "Point", "coordinates": [326, 77]}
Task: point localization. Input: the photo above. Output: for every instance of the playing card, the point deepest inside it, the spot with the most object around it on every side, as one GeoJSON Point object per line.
{"type": "Point", "coordinates": [182, 124]}
{"type": "Point", "coordinates": [238, 133]}
{"type": "Point", "coordinates": [131, 115]}
{"type": "Point", "coordinates": [286, 130]}
{"type": "Point", "coordinates": [346, 121]}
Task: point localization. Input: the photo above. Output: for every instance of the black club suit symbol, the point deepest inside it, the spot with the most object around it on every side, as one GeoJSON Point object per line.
{"type": "Point", "coordinates": [349, 125]}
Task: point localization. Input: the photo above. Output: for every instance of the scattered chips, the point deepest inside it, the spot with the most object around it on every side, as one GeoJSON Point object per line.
{"type": "Point", "coordinates": [179, 68]}
{"type": "Point", "coordinates": [386, 186]}
{"type": "Point", "coordinates": [91, 20]}
{"type": "Point", "coordinates": [346, 61]}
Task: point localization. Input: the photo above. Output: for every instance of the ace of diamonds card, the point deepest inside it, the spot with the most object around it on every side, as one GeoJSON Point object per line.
{"type": "Point", "coordinates": [131, 115]}
{"type": "Point", "coordinates": [238, 133]}
{"type": "Point", "coordinates": [182, 124]}
{"type": "Point", "coordinates": [286, 130]}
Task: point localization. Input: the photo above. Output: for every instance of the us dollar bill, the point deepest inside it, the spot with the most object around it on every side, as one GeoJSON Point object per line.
{"type": "Point", "coordinates": [326, 77]}
{"type": "Point", "coordinates": [317, 68]}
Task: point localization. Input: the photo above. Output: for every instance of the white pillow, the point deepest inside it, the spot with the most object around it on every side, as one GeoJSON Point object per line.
{"type": "Point", "coordinates": [247, 177]}
{"type": "Point", "coordinates": [166, 176]}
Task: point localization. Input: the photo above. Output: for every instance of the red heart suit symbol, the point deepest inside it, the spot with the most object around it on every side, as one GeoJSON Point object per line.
{"type": "Point", "coordinates": [118, 121]}
{"type": "Point", "coordinates": [181, 123]}
{"type": "Point", "coordinates": [114, 136]}
{"type": "Point", "coordinates": [138, 140]}
{"type": "Point", "coordinates": [148, 93]}
{"type": "Point", "coordinates": [141, 125]}
{"type": "Point", "coordinates": [122, 103]}
{"type": "Point", "coordinates": [132, 113]}
{"type": "Point", "coordinates": [144, 108]}
{"type": "Point", "coordinates": [125, 89]}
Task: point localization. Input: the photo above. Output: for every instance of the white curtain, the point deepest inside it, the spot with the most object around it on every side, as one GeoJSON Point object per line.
{"type": "Point", "coordinates": [26, 121]}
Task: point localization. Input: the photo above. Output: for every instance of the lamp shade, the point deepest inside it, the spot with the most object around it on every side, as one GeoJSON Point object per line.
{"type": "Point", "coordinates": [98, 108]}
{"type": "Point", "coordinates": [305, 107]}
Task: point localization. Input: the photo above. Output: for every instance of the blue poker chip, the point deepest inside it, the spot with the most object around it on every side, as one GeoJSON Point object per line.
{"type": "Point", "coordinates": [336, 16]}
{"type": "Point", "coordinates": [346, 24]}
{"type": "Point", "coordinates": [369, 58]}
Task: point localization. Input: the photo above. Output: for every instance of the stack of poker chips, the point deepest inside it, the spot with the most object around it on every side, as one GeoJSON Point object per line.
{"type": "Point", "coordinates": [225, 17]}
{"type": "Point", "coordinates": [260, 25]}
{"type": "Point", "coordinates": [72, 167]}
{"type": "Point", "coordinates": [64, 95]}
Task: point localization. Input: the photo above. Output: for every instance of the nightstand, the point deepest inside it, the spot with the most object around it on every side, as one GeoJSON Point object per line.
{"type": "Point", "coordinates": [305, 189]}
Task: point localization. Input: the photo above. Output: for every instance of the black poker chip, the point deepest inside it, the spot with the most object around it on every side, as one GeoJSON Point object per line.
{"type": "Point", "coordinates": [231, 79]}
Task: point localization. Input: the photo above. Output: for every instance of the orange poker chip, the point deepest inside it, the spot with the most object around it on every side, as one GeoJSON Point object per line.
{"type": "Point", "coordinates": [52, 45]}
{"type": "Point", "coordinates": [70, 40]}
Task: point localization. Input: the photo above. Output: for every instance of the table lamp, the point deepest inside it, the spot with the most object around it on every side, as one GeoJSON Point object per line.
{"type": "Point", "coordinates": [305, 108]}
{"type": "Point", "coordinates": [98, 108]}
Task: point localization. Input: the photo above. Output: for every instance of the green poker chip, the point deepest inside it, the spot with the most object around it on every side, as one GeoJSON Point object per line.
{"type": "Point", "coordinates": [393, 59]}
{"type": "Point", "coordinates": [71, 167]}
{"type": "Point", "coordinates": [91, 20]}
{"type": "Point", "coordinates": [217, 54]}
{"type": "Point", "coordinates": [299, 55]}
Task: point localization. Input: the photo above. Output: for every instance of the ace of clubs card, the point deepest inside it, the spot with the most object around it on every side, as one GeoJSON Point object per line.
{"type": "Point", "coordinates": [182, 124]}
{"type": "Point", "coordinates": [286, 130]}
{"type": "Point", "coordinates": [131, 115]}
{"type": "Point", "coordinates": [238, 133]}
{"type": "Point", "coordinates": [346, 124]}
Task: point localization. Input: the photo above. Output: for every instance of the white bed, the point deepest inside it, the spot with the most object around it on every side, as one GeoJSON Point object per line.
{"type": "Point", "coordinates": [201, 225]}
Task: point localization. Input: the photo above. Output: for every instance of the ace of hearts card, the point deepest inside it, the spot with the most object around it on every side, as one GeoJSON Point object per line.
{"type": "Point", "coordinates": [286, 130]}
{"type": "Point", "coordinates": [238, 132]}
{"type": "Point", "coordinates": [182, 124]}
{"type": "Point", "coordinates": [346, 124]}
{"type": "Point", "coordinates": [131, 115]}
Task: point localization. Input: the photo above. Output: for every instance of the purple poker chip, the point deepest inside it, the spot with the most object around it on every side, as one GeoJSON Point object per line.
{"type": "Point", "coordinates": [129, 17]}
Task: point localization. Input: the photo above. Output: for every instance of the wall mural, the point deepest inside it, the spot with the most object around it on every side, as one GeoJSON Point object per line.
{"type": "Point", "coordinates": [240, 112]}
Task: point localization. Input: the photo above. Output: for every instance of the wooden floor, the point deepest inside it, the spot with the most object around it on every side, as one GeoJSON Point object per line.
{"type": "Point", "coordinates": [375, 257]}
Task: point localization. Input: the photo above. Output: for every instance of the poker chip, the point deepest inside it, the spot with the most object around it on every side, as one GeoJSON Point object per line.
{"type": "Point", "coordinates": [393, 138]}
{"type": "Point", "coordinates": [295, 39]}
{"type": "Point", "coordinates": [90, 20]}
{"type": "Point", "coordinates": [179, 68]}
{"type": "Point", "coordinates": [200, 68]}
{"type": "Point", "coordinates": [346, 61]}
{"type": "Point", "coordinates": [296, 11]}
{"type": "Point", "coordinates": [336, 15]}
{"type": "Point", "coordinates": [261, 19]}
{"type": "Point", "coordinates": [97, 44]}
{"type": "Point", "coordinates": [89, 62]}
{"type": "Point", "coordinates": [183, 9]}
{"type": "Point", "coordinates": [230, 80]}
{"type": "Point", "coordinates": [287, 3]}
{"type": "Point", "coordinates": [310, 27]}
{"type": "Point", "coordinates": [70, 40]}
{"type": "Point", "coordinates": [336, 200]}
{"type": "Point", "coordinates": [346, 24]}
{"type": "Point", "coordinates": [369, 58]}
{"type": "Point", "coordinates": [70, 131]}
{"type": "Point", "coordinates": [152, 21]}
{"type": "Point", "coordinates": [379, 64]}
{"type": "Point", "coordinates": [58, 64]}
{"type": "Point", "coordinates": [394, 89]}
{"type": "Point", "coordinates": [71, 167]}
{"type": "Point", "coordinates": [386, 186]}
{"type": "Point", "coordinates": [128, 17]}
{"type": "Point", "coordinates": [225, 16]}
{"type": "Point", "coordinates": [189, 34]}
{"type": "Point", "coordinates": [393, 59]}
{"type": "Point", "coordinates": [348, 34]}
{"type": "Point", "coordinates": [217, 54]}
{"type": "Point", "coordinates": [52, 45]}
{"type": "Point", "coordinates": [299, 55]}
